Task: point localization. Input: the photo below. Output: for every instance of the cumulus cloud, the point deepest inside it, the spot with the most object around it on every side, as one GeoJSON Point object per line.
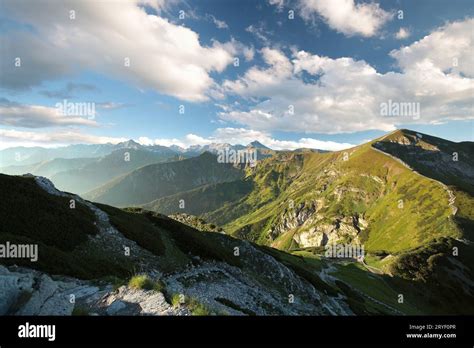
{"type": "Point", "coordinates": [115, 38]}
{"type": "Point", "coordinates": [448, 49]}
{"type": "Point", "coordinates": [257, 80]}
{"type": "Point", "coordinates": [347, 16]}
{"type": "Point", "coordinates": [346, 94]}
{"type": "Point", "coordinates": [38, 116]}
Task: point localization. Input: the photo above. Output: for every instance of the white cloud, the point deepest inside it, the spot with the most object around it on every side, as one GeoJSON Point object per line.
{"type": "Point", "coordinates": [111, 105]}
{"type": "Point", "coordinates": [256, 78]}
{"type": "Point", "coordinates": [249, 53]}
{"type": "Point", "coordinates": [346, 16]}
{"type": "Point", "coordinates": [158, 5]}
{"type": "Point", "coordinates": [164, 142]}
{"type": "Point", "coordinates": [449, 49]}
{"type": "Point", "coordinates": [402, 34]}
{"type": "Point", "coordinates": [245, 136]}
{"type": "Point", "coordinates": [259, 31]}
{"type": "Point", "coordinates": [220, 24]}
{"type": "Point", "coordinates": [278, 3]}
{"type": "Point", "coordinates": [11, 138]}
{"type": "Point", "coordinates": [346, 94]}
{"type": "Point", "coordinates": [37, 116]}
{"type": "Point", "coordinates": [163, 56]}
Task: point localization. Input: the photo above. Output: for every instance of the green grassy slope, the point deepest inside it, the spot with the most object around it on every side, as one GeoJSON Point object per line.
{"type": "Point", "coordinates": [368, 185]}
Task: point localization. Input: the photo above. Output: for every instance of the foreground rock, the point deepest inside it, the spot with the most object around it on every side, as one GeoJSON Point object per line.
{"type": "Point", "coordinates": [28, 292]}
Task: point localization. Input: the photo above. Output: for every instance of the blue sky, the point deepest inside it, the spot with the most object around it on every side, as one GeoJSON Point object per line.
{"type": "Point", "coordinates": [335, 63]}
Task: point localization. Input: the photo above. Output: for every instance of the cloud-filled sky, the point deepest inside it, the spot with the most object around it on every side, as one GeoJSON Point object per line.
{"type": "Point", "coordinates": [289, 73]}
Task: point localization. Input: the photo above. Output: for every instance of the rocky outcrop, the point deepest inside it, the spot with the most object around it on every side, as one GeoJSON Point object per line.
{"type": "Point", "coordinates": [28, 292]}
{"type": "Point", "coordinates": [326, 234]}
{"type": "Point", "coordinates": [234, 292]}
{"type": "Point", "coordinates": [11, 286]}
{"type": "Point", "coordinates": [130, 301]}
{"type": "Point", "coordinates": [294, 217]}
{"type": "Point", "coordinates": [312, 228]}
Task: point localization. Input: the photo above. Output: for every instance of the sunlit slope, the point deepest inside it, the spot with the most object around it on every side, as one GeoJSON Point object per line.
{"type": "Point", "coordinates": [359, 194]}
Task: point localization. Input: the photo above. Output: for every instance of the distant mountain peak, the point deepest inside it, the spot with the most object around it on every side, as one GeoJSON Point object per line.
{"type": "Point", "coordinates": [258, 145]}
{"type": "Point", "coordinates": [129, 144]}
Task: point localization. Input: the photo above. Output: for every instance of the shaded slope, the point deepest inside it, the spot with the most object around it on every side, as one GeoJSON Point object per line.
{"type": "Point", "coordinates": [102, 170]}
{"type": "Point", "coordinates": [202, 199]}
{"type": "Point", "coordinates": [159, 180]}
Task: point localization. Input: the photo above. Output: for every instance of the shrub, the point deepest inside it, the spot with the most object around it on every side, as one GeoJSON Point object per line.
{"type": "Point", "coordinates": [198, 308]}
{"type": "Point", "coordinates": [176, 300]}
{"type": "Point", "coordinates": [195, 307]}
{"type": "Point", "coordinates": [142, 281]}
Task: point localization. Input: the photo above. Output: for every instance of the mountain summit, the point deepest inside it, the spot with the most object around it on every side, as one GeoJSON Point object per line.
{"type": "Point", "coordinates": [129, 144]}
{"type": "Point", "coordinates": [258, 145]}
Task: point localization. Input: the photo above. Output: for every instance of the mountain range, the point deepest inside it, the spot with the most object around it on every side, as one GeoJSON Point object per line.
{"type": "Point", "coordinates": [82, 168]}
{"type": "Point", "coordinates": [242, 239]}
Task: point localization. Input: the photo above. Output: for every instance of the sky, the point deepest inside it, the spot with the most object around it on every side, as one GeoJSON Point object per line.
{"type": "Point", "coordinates": [326, 74]}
